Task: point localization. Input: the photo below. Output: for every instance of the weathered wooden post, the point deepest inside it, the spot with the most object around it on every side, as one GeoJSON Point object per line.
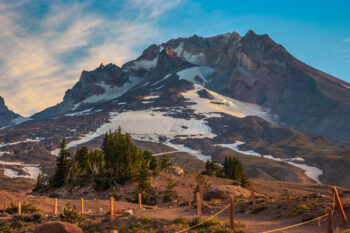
{"type": "Point", "coordinates": [140, 201]}
{"type": "Point", "coordinates": [55, 210]}
{"type": "Point", "coordinates": [82, 206]}
{"type": "Point", "coordinates": [329, 221]}
{"type": "Point", "coordinates": [199, 205]}
{"type": "Point", "coordinates": [232, 220]}
{"type": "Point", "coordinates": [339, 206]}
{"type": "Point", "coordinates": [290, 206]}
{"type": "Point", "coordinates": [112, 209]}
{"type": "Point", "coordinates": [19, 208]}
{"type": "Point", "coordinates": [189, 197]}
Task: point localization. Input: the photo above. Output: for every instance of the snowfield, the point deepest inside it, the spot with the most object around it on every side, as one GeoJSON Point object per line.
{"type": "Point", "coordinates": [223, 104]}
{"type": "Point", "coordinates": [145, 64]}
{"type": "Point", "coordinates": [32, 169]}
{"type": "Point", "coordinates": [37, 139]}
{"type": "Point", "coordinates": [192, 58]}
{"type": "Point", "coordinates": [189, 74]}
{"type": "Point", "coordinates": [147, 122]}
{"type": "Point", "coordinates": [311, 172]}
{"type": "Point", "coordinates": [110, 92]}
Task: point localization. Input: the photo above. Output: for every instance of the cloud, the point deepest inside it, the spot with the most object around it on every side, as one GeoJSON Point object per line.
{"type": "Point", "coordinates": [37, 67]}
{"type": "Point", "coordinates": [346, 40]}
{"type": "Point", "coordinates": [155, 8]}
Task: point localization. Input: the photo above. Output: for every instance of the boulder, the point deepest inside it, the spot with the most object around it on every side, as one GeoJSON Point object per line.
{"type": "Point", "coordinates": [224, 192]}
{"type": "Point", "coordinates": [57, 227]}
{"type": "Point", "coordinates": [128, 212]}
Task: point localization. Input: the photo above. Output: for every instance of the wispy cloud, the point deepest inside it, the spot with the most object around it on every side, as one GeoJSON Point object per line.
{"type": "Point", "coordinates": [38, 67]}
{"type": "Point", "coordinates": [346, 40]}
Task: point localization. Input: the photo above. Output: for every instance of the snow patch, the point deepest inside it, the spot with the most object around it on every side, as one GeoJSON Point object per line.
{"type": "Point", "coordinates": [145, 64]}
{"type": "Point", "coordinates": [165, 77]}
{"type": "Point", "coordinates": [4, 153]}
{"type": "Point", "coordinates": [183, 148]}
{"type": "Point", "coordinates": [81, 113]}
{"type": "Point", "coordinates": [311, 172]}
{"type": "Point", "coordinates": [32, 169]}
{"type": "Point", "coordinates": [223, 104]}
{"type": "Point", "coordinates": [197, 59]}
{"type": "Point", "coordinates": [190, 74]}
{"type": "Point", "coordinates": [149, 97]}
{"type": "Point", "coordinates": [113, 92]}
{"type": "Point", "coordinates": [37, 139]}
{"type": "Point", "coordinates": [345, 86]}
{"type": "Point", "coordinates": [20, 120]}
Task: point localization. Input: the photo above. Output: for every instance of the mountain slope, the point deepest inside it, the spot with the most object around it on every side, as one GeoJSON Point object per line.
{"type": "Point", "coordinates": [8, 117]}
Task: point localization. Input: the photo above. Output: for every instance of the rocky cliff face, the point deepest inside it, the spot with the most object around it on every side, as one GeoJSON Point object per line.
{"type": "Point", "coordinates": [8, 117]}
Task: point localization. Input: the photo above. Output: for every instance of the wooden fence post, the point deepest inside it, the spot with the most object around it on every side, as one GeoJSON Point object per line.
{"type": "Point", "coordinates": [290, 206]}
{"type": "Point", "coordinates": [329, 221]}
{"type": "Point", "coordinates": [232, 213]}
{"type": "Point", "coordinates": [112, 209]}
{"type": "Point", "coordinates": [19, 208]}
{"type": "Point", "coordinates": [140, 201]}
{"type": "Point", "coordinates": [82, 206]}
{"type": "Point", "coordinates": [4, 209]}
{"type": "Point", "coordinates": [339, 206]}
{"type": "Point", "coordinates": [189, 197]}
{"type": "Point", "coordinates": [199, 204]}
{"type": "Point", "coordinates": [55, 210]}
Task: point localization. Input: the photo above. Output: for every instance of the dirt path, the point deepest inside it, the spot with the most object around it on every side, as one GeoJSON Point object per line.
{"type": "Point", "coordinates": [253, 223]}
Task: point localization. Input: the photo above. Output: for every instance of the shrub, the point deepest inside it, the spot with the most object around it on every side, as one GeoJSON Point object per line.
{"type": "Point", "coordinates": [259, 209]}
{"type": "Point", "coordinates": [300, 209]}
{"type": "Point", "coordinates": [27, 208]}
{"type": "Point", "coordinates": [70, 213]}
{"type": "Point", "coordinates": [178, 221]}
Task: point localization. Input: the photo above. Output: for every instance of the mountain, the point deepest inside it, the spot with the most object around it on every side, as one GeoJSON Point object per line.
{"type": "Point", "coordinates": [8, 117]}
{"type": "Point", "coordinates": [205, 98]}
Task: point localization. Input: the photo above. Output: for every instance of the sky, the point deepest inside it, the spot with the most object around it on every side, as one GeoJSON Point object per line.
{"type": "Point", "coordinates": [45, 45]}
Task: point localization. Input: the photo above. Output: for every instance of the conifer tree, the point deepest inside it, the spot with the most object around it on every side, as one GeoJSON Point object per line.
{"type": "Point", "coordinates": [62, 165]}
{"type": "Point", "coordinates": [233, 169]}
{"type": "Point", "coordinates": [144, 178]}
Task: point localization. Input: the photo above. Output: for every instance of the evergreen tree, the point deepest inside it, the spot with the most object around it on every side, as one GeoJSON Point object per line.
{"type": "Point", "coordinates": [40, 181]}
{"type": "Point", "coordinates": [212, 169]}
{"type": "Point", "coordinates": [122, 157]}
{"type": "Point", "coordinates": [170, 193]}
{"type": "Point", "coordinates": [62, 165]}
{"type": "Point", "coordinates": [81, 157]}
{"type": "Point", "coordinates": [165, 163]}
{"type": "Point", "coordinates": [144, 178]}
{"type": "Point", "coordinates": [233, 169]}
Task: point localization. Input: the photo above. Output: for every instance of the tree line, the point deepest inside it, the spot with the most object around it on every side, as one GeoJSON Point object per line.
{"type": "Point", "coordinates": [118, 162]}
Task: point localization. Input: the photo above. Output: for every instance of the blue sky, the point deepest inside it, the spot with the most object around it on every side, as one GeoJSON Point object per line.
{"type": "Point", "coordinates": [44, 45]}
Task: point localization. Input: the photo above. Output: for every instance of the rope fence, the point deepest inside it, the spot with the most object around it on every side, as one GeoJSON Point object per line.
{"type": "Point", "coordinates": [328, 215]}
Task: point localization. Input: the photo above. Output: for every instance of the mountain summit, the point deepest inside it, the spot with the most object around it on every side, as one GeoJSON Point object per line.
{"type": "Point", "coordinates": [252, 68]}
